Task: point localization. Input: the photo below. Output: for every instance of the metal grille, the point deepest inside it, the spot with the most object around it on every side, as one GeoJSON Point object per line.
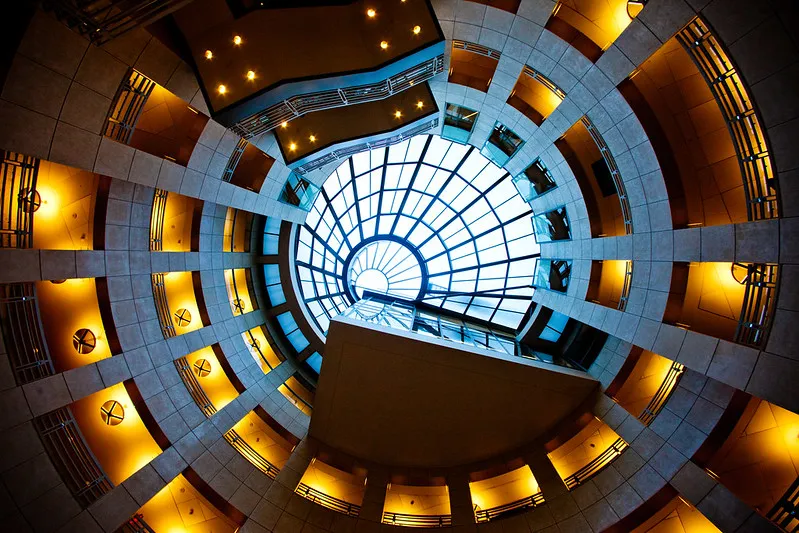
{"type": "Point", "coordinates": [195, 389]}
{"type": "Point", "coordinates": [344, 153]}
{"type": "Point", "coordinates": [626, 211]}
{"type": "Point", "coordinates": [19, 200]}
{"type": "Point", "coordinates": [626, 286]}
{"type": "Point", "coordinates": [476, 48]}
{"type": "Point", "coordinates": [71, 456]}
{"type": "Point", "coordinates": [757, 310]}
{"type": "Point", "coordinates": [486, 515]}
{"type": "Point", "coordinates": [299, 105]}
{"type": "Point", "coordinates": [135, 525]}
{"type": "Point", "coordinates": [157, 220]}
{"type": "Point", "coordinates": [751, 146]}
{"type": "Point", "coordinates": [413, 520]}
{"type": "Point", "coordinates": [543, 80]}
{"type": "Point", "coordinates": [23, 333]}
{"type": "Point", "coordinates": [127, 106]}
{"type": "Point", "coordinates": [103, 20]}
{"type": "Point", "coordinates": [663, 394]}
{"type": "Point", "coordinates": [785, 512]}
{"type": "Point", "coordinates": [596, 466]}
{"type": "Point", "coordinates": [162, 306]}
{"type": "Point", "coordinates": [330, 502]}
{"type": "Point", "coordinates": [247, 451]}
{"type": "Point", "coordinates": [233, 162]}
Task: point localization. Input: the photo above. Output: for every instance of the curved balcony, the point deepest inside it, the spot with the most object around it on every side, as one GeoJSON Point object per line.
{"type": "Point", "coordinates": [22, 333]}
{"type": "Point", "coordinates": [587, 453]}
{"type": "Point", "coordinates": [19, 200]}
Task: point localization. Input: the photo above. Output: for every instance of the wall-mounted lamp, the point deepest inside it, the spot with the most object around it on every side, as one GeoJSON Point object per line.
{"type": "Point", "coordinates": [182, 317]}
{"type": "Point", "coordinates": [201, 368]}
{"type": "Point", "coordinates": [84, 341]}
{"type": "Point", "coordinates": [417, 30]}
{"type": "Point", "coordinates": [112, 413]}
{"type": "Point", "coordinates": [237, 40]}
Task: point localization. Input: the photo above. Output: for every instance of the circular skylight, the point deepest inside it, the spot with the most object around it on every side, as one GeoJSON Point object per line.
{"type": "Point", "coordinates": [425, 221]}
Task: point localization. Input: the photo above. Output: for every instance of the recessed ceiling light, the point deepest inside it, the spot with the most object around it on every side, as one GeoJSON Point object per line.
{"type": "Point", "coordinates": [312, 138]}
{"type": "Point", "coordinates": [284, 124]}
{"type": "Point", "coordinates": [222, 89]}
{"type": "Point", "coordinates": [292, 147]}
{"type": "Point", "coordinates": [250, 75]}
{"type": "Point", "coordinates": [237, 40]}
{"type": "Point", "coordinates": [397, 114]}
{"type": "Point", "coordinates": [209, 54]}
{"type": "Point", "coordinates": [371, 13]}
{"type": "Point", "coordinates": [383, 44]}
{"type": "Point", "coordinates": [417, 30]}
{"type": "Point", "coordinates": [420, 104]}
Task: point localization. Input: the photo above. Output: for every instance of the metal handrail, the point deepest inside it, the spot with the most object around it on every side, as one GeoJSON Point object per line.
{"type": "Point", "coordinates": [543, 80]}
{"type": "Point", "coordinates": [299, 105]}
{"type": "Point", "coordinates": [162, 305]}
{"type": "Point", "coordinates": [18, 197]}
{"type": "Point", "coordinates": [486, 515]}
{"type": "Point", "coordinates": [127, 106]}
{"type": "Point", "coordinates": [23, 333]}
{"type": "Point", "coordinates": [193, 386]}
{"type": "Point", "coordinates": [253, 343]}
{"type": "Point", "coordinates": [136, 524]}
{"type": "Point", "coordinates": [71, 456]}
{"type": "Point", "coordinates": [596, 465]}
{"type": "Point", "coordinates": [249, 453]}
{"type": "Point", "coordinates": [757, 309]}
{"type": "Point", "coordinates": [325, 500]}
{"type": "Point", "coordinates": [476, 48]}
{"type": "Point", "coordinates": [344, 153]}
{"type": "Point", "coordinates": [662, 395]}
{"type": "Point", "coordinates": [785, 512]}
{"type": "Point", "coordinates": [157, 215]}
{"type": "Point", "coordinates": [626, 210]}
{"type": "Point", "coordinates": [234, 159]}
{"type": "Point", "coordinates": [626, 286]}
{"type": "Point", "coordinates": [732, 96]}
{"type": "Point", "coordinates": [414, 520]}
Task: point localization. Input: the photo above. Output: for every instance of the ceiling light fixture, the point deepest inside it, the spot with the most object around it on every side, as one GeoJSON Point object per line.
{"type": "Point", "coordinates": [292, 146]}
{"type": "Point", "coordinates": [419, 104]}
{"type": "Point", "coordinates": [284, 124]}
{"type": "Point", "coordinates": [312, 138]}
{"type": "Point", "coordinates": [397, 114]}
{"type": "Point", "coordinates": [383, 44]}
{"type": "Point", "coordinates": [222, 89]}
{"type": "Point", "coordinates": [250, 75]}
{"type": "Point", "coordinates": [209, 54]}
{"type": "Point", "coordinates": [417, 30]}
{"type": "Point", "coordinates": [371, 13]}
{"type": "Point", "coordinates": [237, 40]}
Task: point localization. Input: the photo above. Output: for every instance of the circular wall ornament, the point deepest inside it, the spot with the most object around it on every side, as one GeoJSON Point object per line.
{"type": "Point", "coordinates": [255, 344]}
{"type": "Point", "coordinates": [112, 413]}
{"type": "Point", "coordinates": [30, 200]}
{"type": "Point", "coordinates": [202, 367]}
{"type": "Point", "coordinates": [182, 317]}
{"type": "Point", "coordinates": [84, 341]}
{"type": "Point", "coordinates": [239, 305]}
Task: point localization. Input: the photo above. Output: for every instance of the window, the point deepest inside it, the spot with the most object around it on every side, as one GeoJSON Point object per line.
{"type": "Point", "coordinates": [554, 328]}
{"type": "Point", "coordinates": [426, 220]}
{"type": "Point", "coordinates": [274, 289]}
{"type": "Point", "coordinates": [552, 226]}
{"type": "Point", "coordinates": [458, 123]}
{"type": "Point", "coordinates": [502, 144]}
{"type": "Point", "coordinates": [534, 181]}
{"type": "Point", "coordinates": [292, 331]}
{"type": "Point", "coordinates": [553, 275]}
{"type": "Point", "coordinates": [299, 192]}
{"type": "Point", "coordinates": [271, 235]}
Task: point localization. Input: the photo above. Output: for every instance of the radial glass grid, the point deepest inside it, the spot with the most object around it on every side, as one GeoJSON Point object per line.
{"type": "Point", "coordinates": [457, 214]}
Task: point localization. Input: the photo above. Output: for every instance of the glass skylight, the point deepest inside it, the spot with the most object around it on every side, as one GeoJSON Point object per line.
{"type": "Point", "coordinates": [423, 220]}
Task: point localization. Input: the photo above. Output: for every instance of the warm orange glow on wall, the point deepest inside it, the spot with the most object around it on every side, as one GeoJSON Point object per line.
{"type": "Point", "coordinates": [297, 394]}
{"type": "Point", "coordinates": [265, 348]}
{"type": "Point", "coordinates": [121, 449]}
{"type": "Point", "coordinates": [65, 308]}
{"type": "Point", "coordinates": [178, 216]}
{"type": "Point", "coordinates": [263, 439]}
{"type": "Point", "coordinates": [426, 500]}
{"type": "Point", "coordinates": [506, 488]}
{"type": "Point", "coordinates": [334, 482]}
{"type": "Point", "coordinates": [179, 289]}
{"type": "Point", "coordinates": [678, 516]}
{"type": "Point", "coordinates": [216, 384]}
{"type": "Point", "coordinates": [179, 508]}
{"type": "Point", "coordinates": [588, 444]}
{"type": "Point", "coordinates": [602, 21]}
{"type": "Point", "coordinates": [643, 382]}
{"type": "Point", "coordinates": [239, 299]}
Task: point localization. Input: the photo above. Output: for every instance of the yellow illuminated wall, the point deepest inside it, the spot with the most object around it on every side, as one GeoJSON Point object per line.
{"type": "Point", "coordinates": [760, 460]}
{"type": "Point", "coordinates": [536, 95]}
{"type": "Point", "coordinates": [179, 508]}
{"type": "Point", "coordinates": [241, 292]}
{"type": "Point", "coordinates": [643, 382]}
{"type": "Point", "coordinates": [263, 439]}
{"type": "Point", "coordinates": [122, 449]}
{"type": "Point", "coordinates": [265, 348]}
{"type": "Point", "coordinates": [65, 308]}
{"type": "Point", "coordinates": [425, 501]}
{"type": "Point", "coordinates": [297, 394]}
{"type": "Point", "coordinates": [587, 445]}
{"type": "Point", "coordinates": [235, 233]}
{"type": "Point", "coordinates": [65, 219]}
{"type": "Point", "coordinates": [602, 21]}
{"type": "Point", "coordinates": [678, 516]}
{"type": "Point", "coordinates": [611, 282]}
{"type": "Point", "coordinates": [179, 289]}
{"type": "Point", "coordinates": [334, 482]}
{"type": "Point", "coordinates": [216, 384]}
{"type": "Point", "coordinates": [178, 217]}
{"type": "Point", "coordinates": [506, 488]}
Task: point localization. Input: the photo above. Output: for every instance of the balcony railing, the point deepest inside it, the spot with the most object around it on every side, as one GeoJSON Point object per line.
{"type": "Point", "coordinates": [233, 161]}
{"type": "Point", "coordinates": [476, 49]}
{"type": "Point", "coordinates": [71, 456]}
{"type": "Point", "coordinates": [596, 465]}
{"type": "Point", "coordinates": [162, 306]}
{"type": "Point", "coordinates": [785, 512]}
{"type": "Point", "coordinates": [249, 453]}
{"type": "Point", "coordinates": [19, 200]}
{"type": "Point", "coordinates": [23, 334]}
{"type": "Point", "coordinates": [344, 153]}
{"type": "Point", "coordinates": [157, 220]}
{"type": "Point", "coordinates": [103, 20]}
{"type": "Point", "coordinates": [299, 105]}
{"type": "Point", "coordinates": [256, 345]}
{"type": "Point", "coordinates": [543, 80]}
{"type": "Point", "coordinates": [486, 515]}
{"type": "Point", "coordinates": [663, 394]}
{"type": "Point", "coordinates": [325, 500]}
{"type": "Point", "coordinates": [732, 96]}
{"type": "Point", "coordinates": [758, 305]}
{"type": "Point", "coordinates": [193, 386]}
{"type": "Point", "coordinates": [135, 525]}
{"type": "Point", "coordinates": [127, 106]}
{"type": "Point", "coordinates": [415, 520]}
{"type": "Point", "coordinates": [626, 211]}
{"type": "Point", "coordinates": [626, 286]}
